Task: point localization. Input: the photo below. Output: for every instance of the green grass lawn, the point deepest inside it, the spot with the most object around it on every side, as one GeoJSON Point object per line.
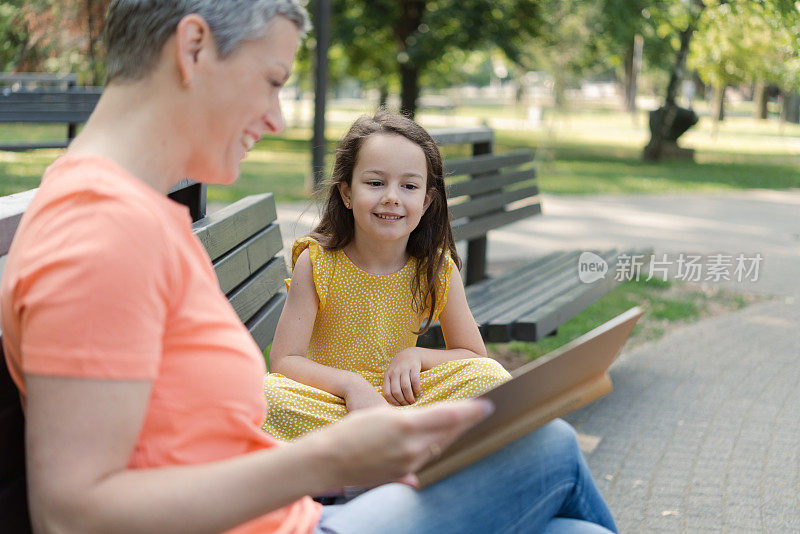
{"type": "Point", "coordinates": [582, 152]}
{"type": "Point", "coordinates": [666, 305]}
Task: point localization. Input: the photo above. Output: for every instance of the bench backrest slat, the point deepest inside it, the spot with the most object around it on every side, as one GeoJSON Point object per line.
{"type": "Point", "coordinates": [483, 183]}
{"type": "Point", "coordinates": [479, 226]}
{"type": "Point", "coordinates": [258, 290]}
{"type": "Point", "coordinates": [491, 203]}
{"type": "Point", "coordinates": [262, 325]}
{"type": "Point", "coordinates": [48, 106]}
{"type": "Point", "coordinates": [243, 261]}
{"type": "Point", "coordinates": [463, 136]}
{"type": "Point", "coordinates": [487, 162]}
{"type": "Point", "coordinates": [245, 245]}
{"type": "Point", "coordinates": [225, 229]}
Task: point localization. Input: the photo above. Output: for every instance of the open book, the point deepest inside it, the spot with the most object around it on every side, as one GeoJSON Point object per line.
{"type": "Point", "coordinates": [540, 391]}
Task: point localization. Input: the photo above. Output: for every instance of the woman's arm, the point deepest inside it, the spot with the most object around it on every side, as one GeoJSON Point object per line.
{"type": "Point", "coordinates": [293, 334]}
{"type": "Point", "coordinates": [462, 339]}
{"type": "Point", "coordinates": [80, 435]}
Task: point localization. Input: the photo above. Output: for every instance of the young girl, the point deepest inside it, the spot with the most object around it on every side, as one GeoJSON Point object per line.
{"type": "Point", "coordinates": [375, 273]}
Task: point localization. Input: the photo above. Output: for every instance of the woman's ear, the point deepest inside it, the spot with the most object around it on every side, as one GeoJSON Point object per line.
{"type": "Point", "coordinates": [192, 38]}
{"type": "Point", "coordinates": [344, 192]}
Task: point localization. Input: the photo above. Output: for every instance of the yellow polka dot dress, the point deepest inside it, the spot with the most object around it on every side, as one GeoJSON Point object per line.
{"type": "Point", "coordinates": [363, 320]}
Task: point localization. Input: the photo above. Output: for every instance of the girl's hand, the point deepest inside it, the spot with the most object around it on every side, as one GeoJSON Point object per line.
{"type": "Point", "coordinates": [380, 445]}
{"type": "Point", "coordinates": [401, 380]}
{"type": "Point", "coordinates": [360, 394]}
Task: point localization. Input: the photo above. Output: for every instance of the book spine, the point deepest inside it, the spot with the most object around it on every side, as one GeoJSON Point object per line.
{"type": "Point", "coordinates": [560, 405]}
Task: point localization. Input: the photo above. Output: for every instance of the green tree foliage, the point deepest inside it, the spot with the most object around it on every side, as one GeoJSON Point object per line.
{"type": "Point", "coordinates": [565, 45]}
{"type": "Point", "coordinates": [742, 41]}
{"type": "Point", "coordinates": [390, 43]}
{"type": "Point", "coordinates": [23, 41]}
{"type": "Point", "coordinates": [53, 36]}
{"type": "Point", "coordinates": [619, 24]}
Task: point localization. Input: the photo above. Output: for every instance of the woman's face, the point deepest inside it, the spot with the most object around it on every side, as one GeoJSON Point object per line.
{"type": "Point", "coordinates": [239, 95]}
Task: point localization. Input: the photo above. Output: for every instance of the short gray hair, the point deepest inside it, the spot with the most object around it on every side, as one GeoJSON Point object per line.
{"type": "Point", "coordinates": [136, 30]}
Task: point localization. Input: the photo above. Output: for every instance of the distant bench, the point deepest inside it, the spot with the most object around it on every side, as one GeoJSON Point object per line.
{"type": "Point", "coordinates": [488, 191]}
{"type": "Point", "coordinates": [45, 98]}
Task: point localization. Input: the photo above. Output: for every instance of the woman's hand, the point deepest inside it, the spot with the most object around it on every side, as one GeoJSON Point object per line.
{"type": "Point", "coordinates": [380, 445]}
{"type": "Point", "coordinates": [361, 394]}
{"type": "Point", "coordinates": [401, 380]}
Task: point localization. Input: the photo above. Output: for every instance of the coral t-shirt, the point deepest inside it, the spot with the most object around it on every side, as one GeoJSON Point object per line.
{"type": "Point", "coordinates": [106, 280]}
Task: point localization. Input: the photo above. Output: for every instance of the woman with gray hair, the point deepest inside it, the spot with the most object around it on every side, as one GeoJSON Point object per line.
{"type": "Point", "coordinates": [143, 390]}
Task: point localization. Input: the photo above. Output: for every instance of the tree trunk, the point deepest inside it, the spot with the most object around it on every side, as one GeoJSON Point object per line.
{"type": "Point", "coordinates": [90, 36]}
{"type": "Point", "coordinates": [652, 151]}
{"type": "Point", "coordinates": [719, 103]}
{"type": "Point", "coordinates": [699, 86]}
{"type": "Point", "coordinates": [411, 18]}
{"type": "Point", "coordinates": [298, 107]}
{"type": "Point", "coordinates": [383, 97]}
{"type": "Point", "coordinates": [627, 81]}
{"type": "Point", "coordinates": [409, 89]}
{"type": "Point", "coordinates": [633, 63]}
{"type": "Point", "coordinates": [790, 106]}
{"type": "Point", "coordinates": [760, 100]}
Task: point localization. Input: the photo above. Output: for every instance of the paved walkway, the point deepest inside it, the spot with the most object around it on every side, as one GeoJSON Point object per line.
{"type": "Point", "coordinates": [702, 431]}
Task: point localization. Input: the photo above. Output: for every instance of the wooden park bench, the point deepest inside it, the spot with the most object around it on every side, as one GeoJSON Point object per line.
{"type": "Point", "coordinates": [487, 191]}
{"type": "Point", "coordinates": [244, 243]}
{"type": "Point", "coordinates": [45, 98]}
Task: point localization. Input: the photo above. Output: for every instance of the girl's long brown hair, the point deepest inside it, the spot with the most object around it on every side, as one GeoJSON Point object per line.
{"type": "Point", "coordinates": [430, 241]}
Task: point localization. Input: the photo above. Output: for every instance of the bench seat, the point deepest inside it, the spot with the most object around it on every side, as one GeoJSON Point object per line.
{"type": "Point", "coordinates": [530, 301]}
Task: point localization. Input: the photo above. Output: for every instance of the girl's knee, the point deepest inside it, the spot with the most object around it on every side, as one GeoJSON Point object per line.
{"type": "Point", "coordinates": [489, 369]}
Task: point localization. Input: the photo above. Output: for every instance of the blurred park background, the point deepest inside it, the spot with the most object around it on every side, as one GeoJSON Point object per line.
{"type": "Point", "coordinates": [575, 80]}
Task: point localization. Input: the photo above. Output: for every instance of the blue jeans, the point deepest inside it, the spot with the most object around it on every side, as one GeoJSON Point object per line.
{"type": "Point", "coordinates": [539, 483]}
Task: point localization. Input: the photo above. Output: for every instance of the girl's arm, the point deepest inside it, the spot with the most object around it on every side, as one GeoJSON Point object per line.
{"type": "Point", "coordinates": [293, 334]}
{"type": "Point", "coordinates": [80, 434]}
{"type": "Point", "coordinates": [462, 339]}
{"type": "Point", "coordinates": [461, 335]}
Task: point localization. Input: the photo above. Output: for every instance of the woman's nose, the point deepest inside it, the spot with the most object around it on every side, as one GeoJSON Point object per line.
{"type": "Point", "coordinates": [273, 119]}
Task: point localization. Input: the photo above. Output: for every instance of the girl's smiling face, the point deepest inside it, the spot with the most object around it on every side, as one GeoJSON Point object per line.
{"type": "Point", "coordinates": [388, 191]}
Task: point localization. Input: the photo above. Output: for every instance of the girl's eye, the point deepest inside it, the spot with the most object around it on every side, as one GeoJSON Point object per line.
{"type": "Point", "coordinates": [374, 183]}
{"type": "Point", "coordinates": [411, 187]}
